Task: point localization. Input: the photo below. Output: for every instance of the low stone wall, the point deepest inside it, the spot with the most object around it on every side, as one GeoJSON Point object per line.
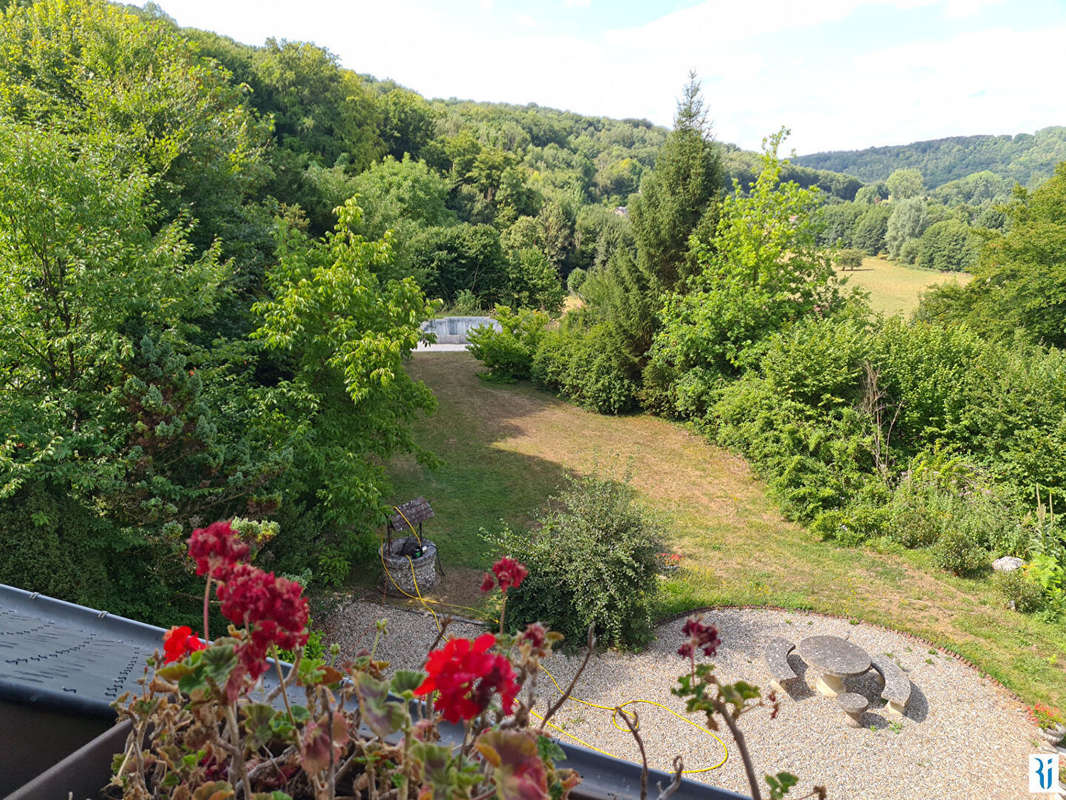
{"type": "Point", "coordinates": [399, 568]}
{"type": "Point", "coordinates": [453, 330]}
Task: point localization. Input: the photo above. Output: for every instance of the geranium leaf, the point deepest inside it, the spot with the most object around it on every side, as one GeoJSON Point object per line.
{"type": "Point", "coordinates": [219, 662]}
{"type": "Point", "coordinates": [257, 718]}
{"type": "Point", "coordinates": [433, 759]}
{"type": "Point", "coordinates": [315, 742]}
{"type": "Point", "coordinates": [192, 681]}
{"type": "Point", "coordinates": [519, 771]}
{"type": "Point", "coordinates": [173, 672]}
{"type": "Point", "coordinates": [406, 680]}
{"type": "Point", "coordinates": [382, 716]}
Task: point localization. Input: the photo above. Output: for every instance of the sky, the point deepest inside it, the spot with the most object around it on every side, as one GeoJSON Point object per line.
{"type": "Point", "coordinates": [841, 74]}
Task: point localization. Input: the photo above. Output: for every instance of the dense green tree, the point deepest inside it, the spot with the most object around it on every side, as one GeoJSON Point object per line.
{"type": "Point", "coordinates": [948, 245]}
{"type": "Point", "coordinates": [533, 282]}
{"type": "Point", "coordinates": [319, 109]}
{"type": "Point", "coordinates": [905, 183]}
{"type": "Point", "coordinates": [992, 217]}
{"type": "Point", "coordinates": [408, 123]}
{"type": "Point", "coordinates": [80, 67]}
{"type": "Point", "coordinates": [392, 191]}
{"type": "Point", "coordinates": [677, 194]}
{"type": "Point", "coordinates": [115, 427]}
{"type": "Point", "coordinates": [837, 222]}
{"type": "Point", "coordinates": [849, 258]}
{"type": "Point", "coordinates": [909, 251]}
{"type": "Point", "coordinates": [908, 220]}
{"type": "Point", "coordinates": [762, 271]}
{"type": "Point", "coordinates": [1020, 277]}
{"type": "Point", "coordinates": [618, 179]}
{"type": "Point", "coordinates": [551, 232]}
{"type": "Point", "coordinates": [872, 193]}
{"type": "Point", "coordinates": [343, 402]}
{"type": "Point", "coordinates": [870, 228]}
{"type": "Point", "coordinates": [975, 189]}
{"type": "Point", "coordinates": [461, 258]}
{"type": "Point", "coordinates": [598, 232]}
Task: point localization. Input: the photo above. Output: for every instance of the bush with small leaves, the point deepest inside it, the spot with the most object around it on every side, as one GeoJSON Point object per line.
{"type": "Point", "coordinates": [1020, 591]}
{"type": "Point", "coordinates": [958, 552]}
{"type": "Point", "coordinates": [593, 561]}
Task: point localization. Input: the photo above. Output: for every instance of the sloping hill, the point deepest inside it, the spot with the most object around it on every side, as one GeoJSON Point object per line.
{"type": "Point", "coordinates": [1027, 158]}
{"type": "Point", "coordinates": [506, 448]}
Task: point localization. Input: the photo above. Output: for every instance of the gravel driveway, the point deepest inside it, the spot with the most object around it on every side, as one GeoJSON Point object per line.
{"type": "Point", "coordinates": [963, 736]}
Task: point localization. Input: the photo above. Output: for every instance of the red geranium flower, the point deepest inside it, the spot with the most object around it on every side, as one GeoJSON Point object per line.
{"type": "Point", "coordinates": [178, 642]}
{"type": "Point", "coordinates": [271, 608]}
{"type": "Point", "coordinates": [700, 637]}
{"type": "Point", "coordinates": [216, 550]}
{"type": "Point", "coordinates": [508, 573]}
{"type": "Point", "coordinates": [466, 674]}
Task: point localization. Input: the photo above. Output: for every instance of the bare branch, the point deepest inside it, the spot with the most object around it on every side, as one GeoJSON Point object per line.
{"type": "Point", "coordinates": [675, 784]}
{"type": "Point", "coordinates": [634, 728]}
{"type": "Point", "coordinates": [590, 645]}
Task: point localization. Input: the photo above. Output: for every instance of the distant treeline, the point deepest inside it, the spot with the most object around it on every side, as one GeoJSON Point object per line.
{"type": "Point", "coordinates": [1025, 158]}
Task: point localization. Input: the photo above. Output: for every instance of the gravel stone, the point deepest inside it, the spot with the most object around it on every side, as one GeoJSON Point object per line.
{"type": "Point", "coordinates": [963, 735]}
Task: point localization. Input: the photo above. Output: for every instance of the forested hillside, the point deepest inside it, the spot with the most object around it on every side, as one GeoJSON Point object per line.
{"type": "Point", "coordinates": [1025, 158]}
{"type": "Point", "coordinates": [212, 281]}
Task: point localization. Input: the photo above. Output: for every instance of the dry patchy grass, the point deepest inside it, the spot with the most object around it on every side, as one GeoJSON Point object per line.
{"type": "Point", "coordinates": [896, 289]}
{"type": "Point", "coordinates": [506, 448]}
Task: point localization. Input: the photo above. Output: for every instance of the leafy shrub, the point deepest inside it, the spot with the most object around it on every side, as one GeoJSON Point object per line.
{"type": "Point", "coordinates": [1020, 591]}
{"type": "Point", "coordinates": [466, 304]}
{"type": "Point", "coordinates": [575, 280]}
{"type": "Point", "coordinates": [54, 545]}
{"type": "Point", "coordinates": [958, 551]}
{"type": "Point", "coordinates": [910, 250]}
{"type": "Point", "coordinates": [592, 561]}
{"type": "Point", "coordinates": [856, 523]}
{"type": "Point", "coordinates": [585, 366]}
{"type": "Point", "coordinates": [942, 495]}
{"type": "Point", "coordinates": [508, 353]}
{"type": "Point", "coordinates": [1048, 571]}
{"type": "Point", "coordinates": [814, 460]}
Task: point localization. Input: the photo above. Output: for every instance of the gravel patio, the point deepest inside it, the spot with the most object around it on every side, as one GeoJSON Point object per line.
{"type": "Point", "coordinates": [962, 736]}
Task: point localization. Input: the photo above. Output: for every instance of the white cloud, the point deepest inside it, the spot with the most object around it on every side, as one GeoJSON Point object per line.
{"type": "Point", "coordinates": [892, 95]}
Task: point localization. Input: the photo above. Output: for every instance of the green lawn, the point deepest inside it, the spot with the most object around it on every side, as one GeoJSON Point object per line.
{"type": "Point", "coordinates": [506, 448]}
{"type": "Point", "coordinates": [895, 289]}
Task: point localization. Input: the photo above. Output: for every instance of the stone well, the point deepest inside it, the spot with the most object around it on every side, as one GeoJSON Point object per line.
{"type": "Point", "coordinates": [399, 567]}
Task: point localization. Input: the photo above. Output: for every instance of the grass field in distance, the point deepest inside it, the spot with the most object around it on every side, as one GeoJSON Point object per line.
{"type": "Point", "coordinates": [894, 288]}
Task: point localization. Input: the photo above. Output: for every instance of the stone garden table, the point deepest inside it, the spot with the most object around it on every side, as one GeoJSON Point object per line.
{"type": "Point", "coordinates": [835, 659]}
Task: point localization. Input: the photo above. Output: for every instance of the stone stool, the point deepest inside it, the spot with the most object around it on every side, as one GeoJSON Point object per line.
{"type": "Point", "coordinates": [854, 705]}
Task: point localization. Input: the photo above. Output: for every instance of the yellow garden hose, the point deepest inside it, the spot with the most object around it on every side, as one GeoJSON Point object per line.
{"type": "Point", "coordinates": [614, 717]}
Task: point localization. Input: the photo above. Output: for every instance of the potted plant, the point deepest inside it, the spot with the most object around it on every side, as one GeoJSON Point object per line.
{"type": "Point", "coordinates": [1052, 723]}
